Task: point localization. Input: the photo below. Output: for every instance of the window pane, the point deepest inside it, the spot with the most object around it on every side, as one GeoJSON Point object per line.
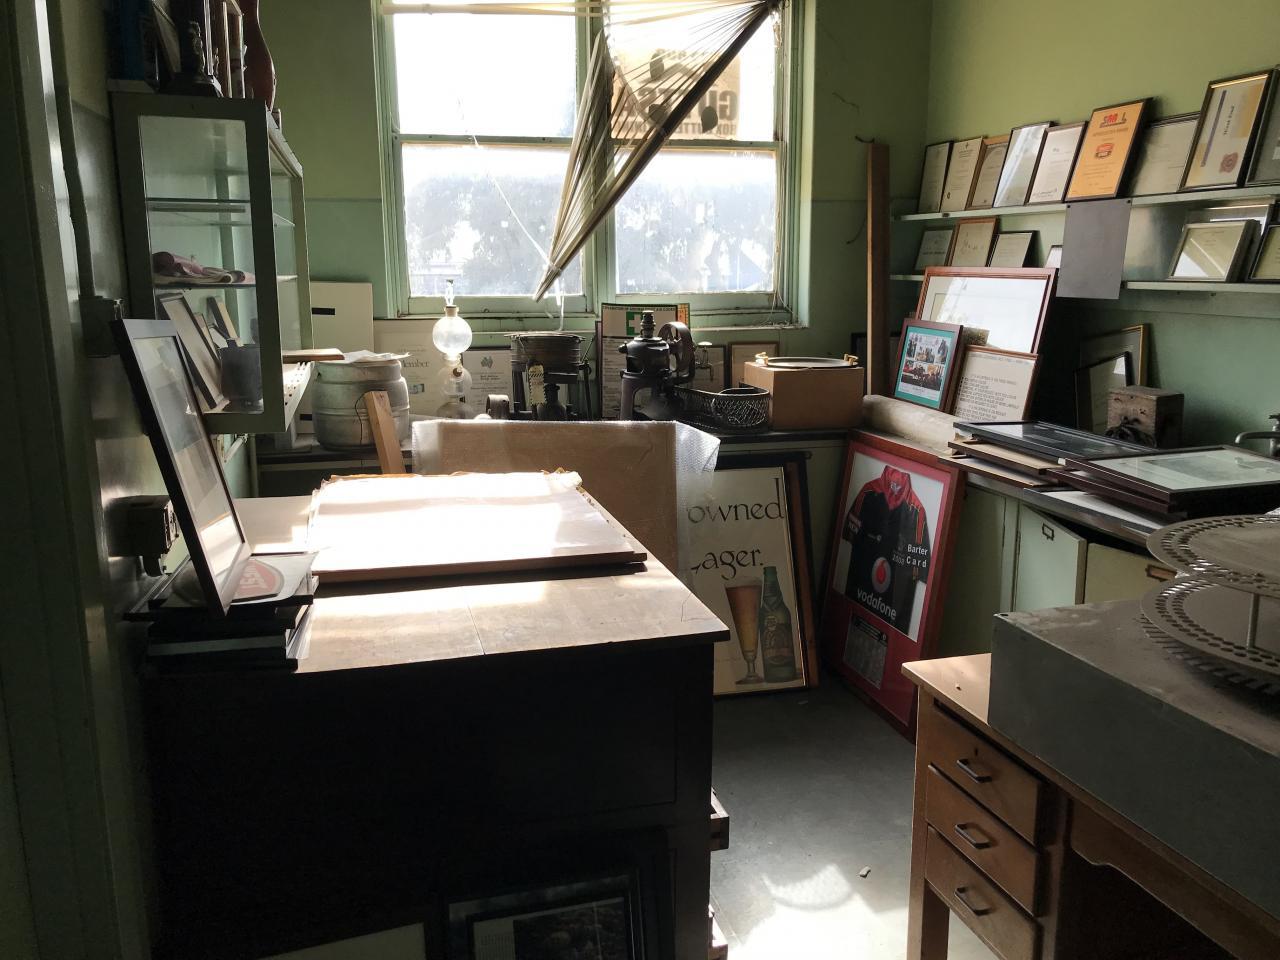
{"type": "Point", "coordinates": [485, 74]}
{"type": "Point", "coordinates": [457, 225]}
{"type": "Point", "coordinates": [740, 104]}
{"type": "Point", "coordinates": [699, 222]}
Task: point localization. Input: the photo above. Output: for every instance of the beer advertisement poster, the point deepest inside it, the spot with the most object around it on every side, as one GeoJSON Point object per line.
{"type": "Point", "coordinates": [888, 564]}
{"type": "Point", "coordinates": [749, 565]}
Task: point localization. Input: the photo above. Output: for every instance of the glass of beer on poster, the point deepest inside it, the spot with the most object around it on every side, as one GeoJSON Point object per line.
{"type": "Point", "coordinates": [744, 607]}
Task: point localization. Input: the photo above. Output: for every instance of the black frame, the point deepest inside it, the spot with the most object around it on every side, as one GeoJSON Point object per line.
{"type": "Point", "coordinates": [1268, 129]}
{"type": "Point", "coordinates": [1026, 254]}
{"type": "Point", "coordinates": [1246, 164]}
{"type": "Point", "coordinates": [1096, 468]}
{"type": "Point", "coordinates": [1079, 126]}
{"type": "Point", "coordinates": [211, 393]}
{"type": "Point", "coordinates": [984, 155]}
{"type": "Point", "coordinates": [1046, 126]}
{"type": "Point", "coordinates": [1237, 258]}
{"type": "Point", "coordinates": [1272, 231]}
{"type": "Point", "coordinates": [942, 186]}
{"type": "Point", "coordinates": [1084, 385]}
{"type": "Point", "coordinates": [1046, 449]}
{"type": "Point", "coordinates": [1146, 134]}
{"type": "Point", "coordinates": [950, 231]}
{"type": "Point", "coordinates": [1126, 168]}
{"type": "Point", "coordinates": [218, 596]}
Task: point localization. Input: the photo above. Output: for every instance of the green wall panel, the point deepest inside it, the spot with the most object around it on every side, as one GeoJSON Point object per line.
{"type": "Point", "coordinates": [345, 242]}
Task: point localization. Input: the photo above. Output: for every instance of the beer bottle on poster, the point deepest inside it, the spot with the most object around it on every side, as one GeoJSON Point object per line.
{"type": "Point", "coordinates": [774, 625]}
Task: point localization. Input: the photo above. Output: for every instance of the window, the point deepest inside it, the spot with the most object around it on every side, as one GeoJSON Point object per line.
{"type": "Point", "coordinates": [481, 119]}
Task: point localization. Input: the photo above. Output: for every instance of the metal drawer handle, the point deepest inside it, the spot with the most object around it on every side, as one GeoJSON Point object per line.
{"type": "Point", "coordinates": [967, 766]}
{"type": "Point", "coordinates": [964, 902]}
{"type": "Point", "coordinates": [965, 832]}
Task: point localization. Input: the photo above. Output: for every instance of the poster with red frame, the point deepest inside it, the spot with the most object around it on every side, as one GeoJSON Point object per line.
{"type": "Point", "coordinates": [890, 557]}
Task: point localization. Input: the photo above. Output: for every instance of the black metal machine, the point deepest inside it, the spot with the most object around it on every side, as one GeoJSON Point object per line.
{"type": "Point", "coordinates": [656, 365]}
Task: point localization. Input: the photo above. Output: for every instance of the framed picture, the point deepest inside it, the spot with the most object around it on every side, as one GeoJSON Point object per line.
{"type": "Point", "coordinates": [1107, 149]}
{"type": "Point", "coordinates": [971, 245]}
{"type": "Point", "coordinates": [961, 171]}
{"type": "Point", "coordinates": [749, 548]}
{"type": "Point", "coordinates": [740, 354]}
{"type": "Point", "coordinates": [1225, 131]}
{"type": "Point", "coordinates": [712, 370]}
{"type": "Point", "coordinates": [191, 468]}
{"type": "Point", "coordinates": [994, 384]}
{"type": "Point", "coordinates": [1212, 252]}
{"type": "Point", "coordinates": [1053, 259]}
{"type": "Point", "coordinates": [1012, 249]}
{"type": "Point", "coordinates": [990, 163]}
{"type": "Point", "coordinates": [1008, 305]}
{"type": "Point", "coordinates": [1048, 440]}
{"type": "Point", "coordinates": [1162, 158]}
{"type": "Point", "coordinates": [1130, 340]}
{"type": "Point", "coordinates": [490, 369]}
{"type": "Point", "coordinates": [216, 312]}
{"type": "Point", "coordinates": [935, 247]}
{"type": "Point", "coordinates": [206, 371]}
{"type": "Point", "coordinates": [1266, 268]}
{"type": "Point", "coordinates": [610, 362]}
{"type": "Point", "coordinates": [1057, 161]}
{"type": "Point", "coordinates": [890, 558]}
{"type": "Point", "coordinates": [933, 176]}
{"type": "Point", "coordinates": [925, 373]}
{"type": "Point", "coordinates": [1094, 384]}
{"type": "Point", "coordinates": [1020, 161]}
{"type": "Point", "coordinates": [1189, 477]}
{"type": "Point", "coordinates": [1265, 167]}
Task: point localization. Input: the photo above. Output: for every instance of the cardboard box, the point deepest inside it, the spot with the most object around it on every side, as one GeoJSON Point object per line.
{"type": "Point", "coordinates": [424, 363]}
{"type": "Point", "coordinates": [821, 398]}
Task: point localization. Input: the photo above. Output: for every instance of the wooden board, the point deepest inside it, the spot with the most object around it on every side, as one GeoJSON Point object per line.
{"type": "Point", "coordinates": [397, 527]}
{"type": "Point", "coordinates": [1015, 477]}
{"type": "Point", "coordinates": [1004, 456]}
{"type": "Point", "coordinates": [383, 426]}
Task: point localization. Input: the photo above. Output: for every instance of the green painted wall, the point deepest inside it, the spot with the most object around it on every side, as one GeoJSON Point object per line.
{"type": "Point", "coordinates": [997, 63]}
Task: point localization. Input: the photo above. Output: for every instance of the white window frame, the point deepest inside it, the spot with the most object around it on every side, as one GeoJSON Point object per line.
{"type": "Point", "coordinates": [709, 310]}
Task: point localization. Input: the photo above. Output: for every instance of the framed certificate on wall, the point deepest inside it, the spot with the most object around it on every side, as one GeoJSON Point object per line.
{"type": "Point", "coordinates": [1108, 146]}
{"type": "Point", "coordinates": [933, 176]}
{"type": "Point", "coordinates": [1057, 160]}
{"type": "Point", "coordinates": [1225, 131]}
{"type": "Point", "coordinates": [960, 174]}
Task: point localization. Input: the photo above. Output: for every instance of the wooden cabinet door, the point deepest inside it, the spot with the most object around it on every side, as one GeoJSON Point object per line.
{"type": "Point", "coordinates": [1050, 566]}
{"type": "Point", "coordinates": [981, 580]}
{"type": "Point", "coordinates": [1113, 574]}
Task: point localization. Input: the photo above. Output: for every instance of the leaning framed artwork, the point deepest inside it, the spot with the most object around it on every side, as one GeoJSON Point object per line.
{"type": "Point", "coordinates": [889, 563]}
{"type": "Point", "coordinates": [1107, 150]}
{"type": "Point", "coordinates": [1223, 141]}
{"type": "Point", "coordinates": [927, 359]}
{"type": "Point", "coordinates": [1008, 306]}
{"type": "Point", "coordinates": [749, 563]}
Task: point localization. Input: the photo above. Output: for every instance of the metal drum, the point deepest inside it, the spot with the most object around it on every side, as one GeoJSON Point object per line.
{"type": "Point", "coordinates": [337, 401]}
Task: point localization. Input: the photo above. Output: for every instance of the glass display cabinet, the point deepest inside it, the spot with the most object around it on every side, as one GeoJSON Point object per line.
{"type": "Point", "coordinates": [215, 238]}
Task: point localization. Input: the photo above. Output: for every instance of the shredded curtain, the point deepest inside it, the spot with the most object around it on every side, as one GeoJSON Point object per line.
{"type": "Point", "coordinates": [650, 64]}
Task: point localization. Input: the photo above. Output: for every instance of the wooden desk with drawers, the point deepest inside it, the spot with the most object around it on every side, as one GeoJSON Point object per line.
{"type": "Point", "coordinates": [1037, 868]}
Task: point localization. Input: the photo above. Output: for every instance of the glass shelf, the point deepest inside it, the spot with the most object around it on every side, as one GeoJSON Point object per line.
{"type": "Point", "coordinates": [1178, 286]}
{"type": "Point", "coordinates": [200, 212]}
{"type": "Point", "coordinates": [1207, 197]}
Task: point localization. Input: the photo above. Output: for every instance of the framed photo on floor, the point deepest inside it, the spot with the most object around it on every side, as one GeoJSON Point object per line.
{"type": "Point", "coordinates": [890, 558]}
{"type": "Point", "coordinates": [749, 560]}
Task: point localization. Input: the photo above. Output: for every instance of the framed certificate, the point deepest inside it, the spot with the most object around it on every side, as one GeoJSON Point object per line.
{"type": "Point", "coordinates": [1225, 131]}
{"type": "Point", "coordinates": [490, 369]}
{"type": "Point", "coordinates": [1266, 269]}
{"type": "Point", "coordinates": [1057, 160]}
{"type": "Point", "coordinates": [927, 363]}
{"type": "Point", "coordinates": [990, 163]}
{"type": "Point", "coordinates": [1108, 146]}
{"type": "Point", "coordinates": [935, 246]}
{"type": "Point", "coordinates": [1265, 168]}
{"type": "Point", "coordinates": [1162, 158]}
{"type": "Point", "coordinates": [1012, 249]}
{"type": "Point", "coordinates": [958, 185]}
{"type": "Point", "coordinates": [1130, 340]}
{"type": "Point", "coordinates": [1009, 306]}
{"type": "Point", "coordinates": [1212, 252]}
{"type": "Point", "coordinates": [1020, 164]}
{"type": "Point", "coordinates": [933, 176]}
{"type": "Point", "coordinates": [971, 245]}
{"type": "Point", "coordinates": [994, 385]}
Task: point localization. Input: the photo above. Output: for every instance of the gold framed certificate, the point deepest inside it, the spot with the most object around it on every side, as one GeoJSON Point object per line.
{"type": "Point", "coordinates": [971, 246]}
{"type": "Point", "coordinates": [1225, 131]}
{"type": "Point", "coordinates": [1162, 158]}
{"type": "Point", "coordinates": [1266, 269]}
{"type": "Point", "coordinates": [960, 173]}
{"type": "Point", "coordinates": [1106, 150]}
{"type": "Point", "coordinates": [1211, 252]}
{"type": "Point", "coordinates": [933, 176]}
{"type": "Point", "coordinates": [990, 163]}
{"type": "Point", "coordinates": [1057, 160]}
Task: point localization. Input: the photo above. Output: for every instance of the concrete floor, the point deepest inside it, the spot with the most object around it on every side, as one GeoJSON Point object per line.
{"type": "Point", "coordinates": [817, 787]}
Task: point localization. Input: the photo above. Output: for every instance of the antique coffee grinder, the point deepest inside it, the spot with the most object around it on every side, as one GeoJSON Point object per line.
{"type": "Point", "coordinates": [655, 366]}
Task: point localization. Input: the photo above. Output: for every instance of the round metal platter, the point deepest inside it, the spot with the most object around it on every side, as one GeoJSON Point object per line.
{"type": "Point", "coordinates": [1241, 552]}
{"type": "Point", "coordinates": [806, 363]}
{"type": "Point", "coordinates": [1213, 619]}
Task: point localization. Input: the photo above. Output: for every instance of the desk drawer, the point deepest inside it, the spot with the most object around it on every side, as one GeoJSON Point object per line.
{"type": "Point", "coordinates": [1000, 853]}
{"type": "Point", "coordinates": [984, 771]}
{"type": "Point", "coordinates": [995, 918]}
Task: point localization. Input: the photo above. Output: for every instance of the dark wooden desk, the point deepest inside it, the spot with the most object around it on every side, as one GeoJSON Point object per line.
{"type": "Point", "coordinates": [1036, 866]}
{"type": "Point", "coordinates": [439, 741]}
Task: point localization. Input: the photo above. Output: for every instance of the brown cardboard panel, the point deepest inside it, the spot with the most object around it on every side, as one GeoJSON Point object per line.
{"type": "Point", "coordinates": [819, 399]}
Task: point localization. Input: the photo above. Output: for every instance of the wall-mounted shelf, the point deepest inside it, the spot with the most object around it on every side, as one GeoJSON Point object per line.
{"type": "Point", "coordinates": [1183, 286]}
{"type": "Point", "coordinates": [1205, 197]}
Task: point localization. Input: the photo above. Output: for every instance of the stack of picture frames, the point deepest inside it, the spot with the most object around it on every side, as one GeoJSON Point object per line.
{"type": "Point", "coordinates": [888, 567]}
{"type": "Point", "coordinates": [750, 564]}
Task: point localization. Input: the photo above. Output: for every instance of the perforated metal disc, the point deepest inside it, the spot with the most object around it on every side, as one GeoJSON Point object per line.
{"type": "Point", "coordinates": [1213, 620]}
{"type": "Point", "coordinates": [1241, 552]}
{"type": "Point", "coordinates": [1214, 669]}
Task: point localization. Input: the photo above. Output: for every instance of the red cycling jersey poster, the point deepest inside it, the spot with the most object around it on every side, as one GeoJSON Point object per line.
{"type": "Point", "coordinates": [888, 566]}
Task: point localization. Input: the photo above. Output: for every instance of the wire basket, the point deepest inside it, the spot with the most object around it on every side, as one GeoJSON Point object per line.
{"type": "Point", "coordinates": [737, 410]}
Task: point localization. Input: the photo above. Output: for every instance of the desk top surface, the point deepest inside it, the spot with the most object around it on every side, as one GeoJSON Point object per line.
{"type": "Point", "coordinates": [396, 623]}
